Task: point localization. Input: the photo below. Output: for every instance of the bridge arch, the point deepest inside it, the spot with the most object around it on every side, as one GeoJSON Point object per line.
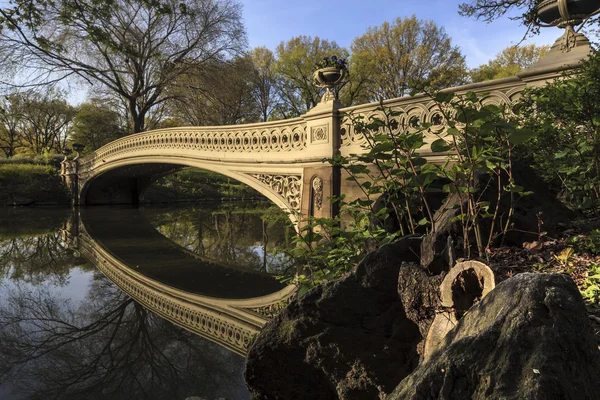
{"type": "Point", "coordinates": [127, 179]}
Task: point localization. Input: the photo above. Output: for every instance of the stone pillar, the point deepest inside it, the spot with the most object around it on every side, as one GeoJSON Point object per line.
{"type": "Point", "coordinates": [68, 173]}
{"type": "Point", "coordinates": [321, 181]}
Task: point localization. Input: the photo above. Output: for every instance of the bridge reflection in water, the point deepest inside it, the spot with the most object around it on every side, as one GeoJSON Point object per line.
{"type": "Point", "coordinates": [224, 304]}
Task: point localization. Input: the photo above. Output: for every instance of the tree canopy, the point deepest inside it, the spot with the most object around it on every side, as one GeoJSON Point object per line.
{"type": "Point", "coordinates": [263, 81]}
{"type": "Point", "coordinates": [220, 93]}
{"type": "Point", "coordinates": [135, 48]}
{"type": "Point", "coordinates": [294, 69]}
{"type": "Point", "coordinates": [393, 58]}
{"type": "Point", "coordinates": [509, 62]}
{"type": "Point", "coordinates": [96, 124]}
{"type": "Point", "coordinates": [34, 124]}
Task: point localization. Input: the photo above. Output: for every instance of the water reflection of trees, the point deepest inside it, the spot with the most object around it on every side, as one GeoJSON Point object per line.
{"type": "Point", "coordinates": [227, 235]}
{"type": "Point", "coordinates": [107, 347]}
{"type": "Point", "coordinates": [35, 259]}
{"type": "Point", "coordinates": [31, 249]}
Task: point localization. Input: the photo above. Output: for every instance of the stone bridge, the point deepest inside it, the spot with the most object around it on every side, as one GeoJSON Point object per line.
{"type": "Point", "coordinates": [283, 160]}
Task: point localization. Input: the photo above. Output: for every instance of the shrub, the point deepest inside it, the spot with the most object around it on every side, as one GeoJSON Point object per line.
{"type": "Point", "coordinates": [591, 286]}
{"type": "Point", "coordinates": [587, 244]}
{"type": "Point", "coordinates": [31, 183]}
{"type": "Point", "coordinates": [565, 114]}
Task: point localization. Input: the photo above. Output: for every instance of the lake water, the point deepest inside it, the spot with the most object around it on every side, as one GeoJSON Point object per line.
{"type": "Point", "coordinates": [68, 332]}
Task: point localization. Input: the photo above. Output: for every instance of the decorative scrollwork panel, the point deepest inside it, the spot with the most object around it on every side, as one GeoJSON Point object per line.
{"type": "Point", "coordinates": [289, 187]}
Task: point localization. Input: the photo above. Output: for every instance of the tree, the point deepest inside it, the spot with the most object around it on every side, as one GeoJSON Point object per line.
{"type": "Point", "coordinates": [135, 48]}
{"type": "Point", "coordinates": [294, 73]}
{"type": "Point", "coordinates": [219, 93]}
{"type": "Point", "coordinates": [96, 125]}
{"type": "Point", "coordinates": [263, 82]}
{"type": "Point", "coordinates": [394, 58]}
{"type": "Point", "coordinates": [10, 123]}
{"type": "Point", "coordinates": [509, 62]}
{"type": "Point", "coordinates": [45, 122]}
{"type": "Point", "coordinates": [489, 10]}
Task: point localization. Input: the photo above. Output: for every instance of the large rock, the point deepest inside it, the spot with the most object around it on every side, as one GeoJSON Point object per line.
{"type": "Point", "coordinates": [529, 338]}
{"type": "Point", "coordinates": [344, 340]}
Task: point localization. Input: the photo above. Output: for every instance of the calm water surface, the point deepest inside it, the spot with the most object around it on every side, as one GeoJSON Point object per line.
{"type": "Point", "coordinates": [67, 332]}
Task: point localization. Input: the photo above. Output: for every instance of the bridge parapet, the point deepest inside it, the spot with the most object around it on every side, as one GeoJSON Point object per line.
{"type": "Point", "coordinates": [415, 110]}
{"type": "Point", "coordinates": [277, 141]}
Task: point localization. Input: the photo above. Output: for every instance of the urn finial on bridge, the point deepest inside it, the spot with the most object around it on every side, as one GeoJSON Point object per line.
{"type": "Point", "coordinates": [566, 14]}
{"type": "Point", "coordinates": [330, 72]}
{"type": "Point", "coordinates": [572, 48]}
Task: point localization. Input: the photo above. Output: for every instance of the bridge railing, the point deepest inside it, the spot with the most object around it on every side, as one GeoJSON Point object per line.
{"type": "Point", "coordinates": [276, 140]}
{"type": "Point", "coordinates": [415, 110]}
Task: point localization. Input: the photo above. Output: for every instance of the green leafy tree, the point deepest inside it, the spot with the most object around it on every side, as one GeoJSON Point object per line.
{"type": "Point", "coordinates": [294, 73]}
{"type": "Point", "coordinates": [133, 48]}
{"type": "Point", "coordinates": [566, 115]}
{"type": "Point", "coordinates": [394, 58]}
{"type": "Point", "coordinates": [45, 123]}
{"type": "Point", "coordinates": [11, 123]}
{"type": "Point", "coordinates": [509, 62]}
{"type": "Point", "coordinates": [95, 125]}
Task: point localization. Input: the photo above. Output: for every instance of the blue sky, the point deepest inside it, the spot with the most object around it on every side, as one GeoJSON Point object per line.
{"type": "Point", "coordinates": [268, 22]}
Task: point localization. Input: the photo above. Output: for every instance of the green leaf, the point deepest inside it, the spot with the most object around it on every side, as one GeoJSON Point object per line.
{"type": "Point", "coordinates": [472, 97]}
{"type": "Point", "coordinates": [442, 97]}
{"type": "Point", "coordinates": [357, 169]}
{"type": "Point", "coordinates": [423, 222]}
{"type": "Point", "coordinates": [419, 161]}
{"type": "Point", "coordinates": [515, 188]}
{"type": "Point", "coordinates": [521, 136]}
{"type": "Point", "coordinates": [562, 153]}
{"type": "Point", "coordinates": [440, 146]}
{"type": "Point", "coordinates": [453, 132]}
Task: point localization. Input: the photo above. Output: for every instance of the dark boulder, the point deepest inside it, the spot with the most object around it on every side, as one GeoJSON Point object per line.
{"type": "Point", "coordinates": [343, 340]}
{"type": "Point", "coordinates": [529, 338]}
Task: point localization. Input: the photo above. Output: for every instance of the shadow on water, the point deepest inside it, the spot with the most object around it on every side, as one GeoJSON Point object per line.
{"type": "Point", "coordinates": [67, 332]}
